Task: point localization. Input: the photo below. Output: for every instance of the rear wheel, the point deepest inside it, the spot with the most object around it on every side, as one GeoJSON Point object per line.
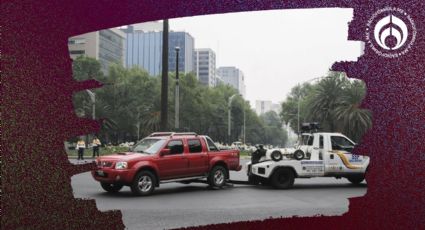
{"type": "Point", "coordinates": [299, 155]}
{"type": "Point", "coordinates": [144, 183]}
{"type": "Point", "coordinates": [282, 178]}
{"type": "Point", "coordinates": [355, 179]}
{"type": "Point", "coordinates": [217, 177]}
{"type": "Point", "coordinates": [111, 188]}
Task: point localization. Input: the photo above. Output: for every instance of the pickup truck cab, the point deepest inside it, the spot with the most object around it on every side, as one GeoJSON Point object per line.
{"type": "Point", "coordinates": [166, 157]}
{"type": "Point", "coordinates": [326, 155]}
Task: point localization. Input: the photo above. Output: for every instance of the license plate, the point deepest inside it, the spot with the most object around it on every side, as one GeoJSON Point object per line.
{"type": "Point", "coordinates": [100, 173]}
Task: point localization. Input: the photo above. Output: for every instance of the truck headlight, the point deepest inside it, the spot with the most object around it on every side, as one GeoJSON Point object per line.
{"type": "Point", "coordinates": [121, 165]}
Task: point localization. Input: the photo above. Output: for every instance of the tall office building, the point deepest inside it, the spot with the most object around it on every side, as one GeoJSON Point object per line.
{"type": "Point", "coordinates": [233, 77]}
{"type": "Point", "coordinates": [204, 64]}
{"type": "Point", "coordinates": [144, 48]}
{"type": "Point", "coordinates": [262, 107]}
{"type": "Point", "coordinates": [107, 46]}
{"type": "Point", "coordinates": [186, 43]}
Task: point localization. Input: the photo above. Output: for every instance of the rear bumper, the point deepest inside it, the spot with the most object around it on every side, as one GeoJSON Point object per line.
{"type": "Point", "coordinates": [238, 168]}
{"type": "Point", "coordinates": [110, 175]}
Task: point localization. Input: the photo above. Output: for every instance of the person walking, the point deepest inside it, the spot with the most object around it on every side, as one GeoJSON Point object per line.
{"type": "Point", "coordinates": [96, 145]}
{"type": "Point", "coordinates": [81, 145]}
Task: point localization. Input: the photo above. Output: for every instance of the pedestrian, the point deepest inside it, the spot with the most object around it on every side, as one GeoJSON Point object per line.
{"type": "Point", "coordinates": [81, 145]}
{"type": "Point", "coordinates": [96, 145]}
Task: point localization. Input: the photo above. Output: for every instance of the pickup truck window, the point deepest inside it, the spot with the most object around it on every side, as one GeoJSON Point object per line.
{"type": "Point", "coordinates": [320, 142]}
{"type": "Point", "coordinates": [194, 146]}
{"type": "Point", "coordinates": [341, 143]}
{"type": "Point", "coordinates": [175, 146]}
{"type": "Point", "coordinates": [211, 145]}
{"type": "Point", "coordinates": [148, 145]}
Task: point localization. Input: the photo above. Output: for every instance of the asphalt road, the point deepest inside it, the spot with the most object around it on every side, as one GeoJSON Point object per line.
{"type": "Point", "coordinates": [176, 205]}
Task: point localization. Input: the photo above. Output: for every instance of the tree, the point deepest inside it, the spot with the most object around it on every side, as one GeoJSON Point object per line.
{"type": "Point", "coordinates": [354, 120]}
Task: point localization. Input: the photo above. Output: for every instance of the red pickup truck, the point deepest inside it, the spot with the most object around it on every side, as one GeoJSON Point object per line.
{"type": "Point", "coordinates": [166, 157]}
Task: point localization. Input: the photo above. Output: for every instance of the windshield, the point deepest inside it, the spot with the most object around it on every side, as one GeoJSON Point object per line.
{"type": "Point", "coordinates": [148, 146]}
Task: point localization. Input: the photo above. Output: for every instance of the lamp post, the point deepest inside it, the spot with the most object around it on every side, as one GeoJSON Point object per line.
{"type": "Point", "coordinates": [177, 107]}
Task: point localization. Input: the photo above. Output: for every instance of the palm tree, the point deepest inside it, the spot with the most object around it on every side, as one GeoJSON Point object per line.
{"type": "Point", "coordinates": [324, 100]}
{"type": "Point", "coordinates": [354, 120]}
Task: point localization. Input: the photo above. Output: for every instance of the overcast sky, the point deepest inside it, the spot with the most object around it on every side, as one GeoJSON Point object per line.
{"type": "Point", "coordinates": [275, 49]}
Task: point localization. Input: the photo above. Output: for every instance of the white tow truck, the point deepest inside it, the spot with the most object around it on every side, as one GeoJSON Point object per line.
{"type": "Point", "coordinates": [318, 154]}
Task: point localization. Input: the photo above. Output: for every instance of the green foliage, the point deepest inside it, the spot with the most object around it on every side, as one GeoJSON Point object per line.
{"type": "Point", "coordinates": [130, 106]}
{"type": "Point", "coordinates": [334, 101]}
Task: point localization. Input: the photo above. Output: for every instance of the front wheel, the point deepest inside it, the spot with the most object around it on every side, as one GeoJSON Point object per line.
{"type": "Point", "coordinates": [282, 178]}
{"type": "Point", "coordinates": [111, 188]}
{"type": "Point", "coordinates": [144, 183]}
{"type": "Point", "coordinates": [217, 177]}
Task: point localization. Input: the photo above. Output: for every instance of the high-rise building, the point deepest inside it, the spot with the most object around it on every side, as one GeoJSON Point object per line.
{"type": "Point", "coordinates": [233, 77]}
{"type": "Point", "coordinates": [186, 43]}
{"type": "Point", "coordinates": [262, 107]}
{"type": "Point", "coordinates": [107, 46]}
{"type": "Point", "coordinates": [144, 48]}
{"type": "Point", "coordinates": [204, 64]}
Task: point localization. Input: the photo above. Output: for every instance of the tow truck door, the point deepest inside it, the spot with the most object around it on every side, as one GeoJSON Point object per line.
{"type": "Point", "coordinates": [339, 157]}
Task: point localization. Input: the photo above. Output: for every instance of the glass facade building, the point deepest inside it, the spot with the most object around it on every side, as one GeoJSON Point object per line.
{"type": "Point", "coordinates": [144, 49]}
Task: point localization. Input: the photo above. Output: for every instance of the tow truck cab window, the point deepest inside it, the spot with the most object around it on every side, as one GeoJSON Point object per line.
{"type": "Point", "coordinates": [175, 146]}
{"type": "Point", "coordinates": [211, 145]}
{"type": "Point", "coordinates": [194, 145]}
{"type": "Point", "coordinates": [341, 143]}
{"type": "Point", "coordinates": [310, 140]}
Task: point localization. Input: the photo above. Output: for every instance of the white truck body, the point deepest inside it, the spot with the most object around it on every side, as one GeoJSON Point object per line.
{"type": "Point", "coordinates": [329, 156]}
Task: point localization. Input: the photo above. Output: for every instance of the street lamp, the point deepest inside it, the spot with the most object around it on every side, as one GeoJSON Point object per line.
{"type": "Point", "coordinates": [176, 120]}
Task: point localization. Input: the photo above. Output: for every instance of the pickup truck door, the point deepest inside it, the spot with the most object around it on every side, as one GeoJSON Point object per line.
{"type": "Point", "coordinates": [197, 155]}
{"type": "Point", "coordinates": [175, 164]}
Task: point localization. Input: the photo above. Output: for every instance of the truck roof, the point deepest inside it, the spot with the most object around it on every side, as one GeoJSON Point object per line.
{"type": "Point", "coordinates": [169, 135]}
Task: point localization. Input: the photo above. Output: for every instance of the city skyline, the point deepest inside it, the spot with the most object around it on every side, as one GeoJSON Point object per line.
{"type": "Point", "coordinates": [303, 46]}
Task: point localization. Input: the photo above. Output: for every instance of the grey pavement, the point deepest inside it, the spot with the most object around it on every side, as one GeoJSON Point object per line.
{"type": "Point", "coordinates": [176, 205]}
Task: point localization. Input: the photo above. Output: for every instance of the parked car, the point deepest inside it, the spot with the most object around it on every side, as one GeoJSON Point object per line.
{"type": "Point", "coordinates": [166, 157]}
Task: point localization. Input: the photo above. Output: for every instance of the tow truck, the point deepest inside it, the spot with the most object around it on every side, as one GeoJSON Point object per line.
{"type": "Point", "coordinates": [318, 154]}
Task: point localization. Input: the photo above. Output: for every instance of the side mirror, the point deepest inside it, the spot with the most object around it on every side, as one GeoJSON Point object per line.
{"type": "Point", "coordinates": [164, 152]}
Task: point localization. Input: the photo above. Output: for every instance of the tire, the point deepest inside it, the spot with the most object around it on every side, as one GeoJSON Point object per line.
{"type": "Point", "coordinates": [355, 179]}
{"type": "Point", "coordinates": [276, 155]}
{"type": "Point", "coordinates": [282, 178]}
{"type": "Point", "coordinates": [217, 177]}
{"type": "Point", "coordinates": [144, 183]}
{"type": "Point", "coordinates": [111, 188]}
{"type": "Point", "coordinates": [299, 155]}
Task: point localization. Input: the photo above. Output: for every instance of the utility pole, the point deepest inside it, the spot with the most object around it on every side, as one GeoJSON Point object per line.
{"type": "Point", "coordinates": [177, 107]}
{"type": "Point", "coordinates": [164, 82]}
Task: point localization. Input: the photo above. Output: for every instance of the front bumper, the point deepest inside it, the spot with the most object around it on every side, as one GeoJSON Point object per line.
{"type": "Point", "coordinates": [262, 169]}
{"type": "Point", "coordinates": [111, 175]}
